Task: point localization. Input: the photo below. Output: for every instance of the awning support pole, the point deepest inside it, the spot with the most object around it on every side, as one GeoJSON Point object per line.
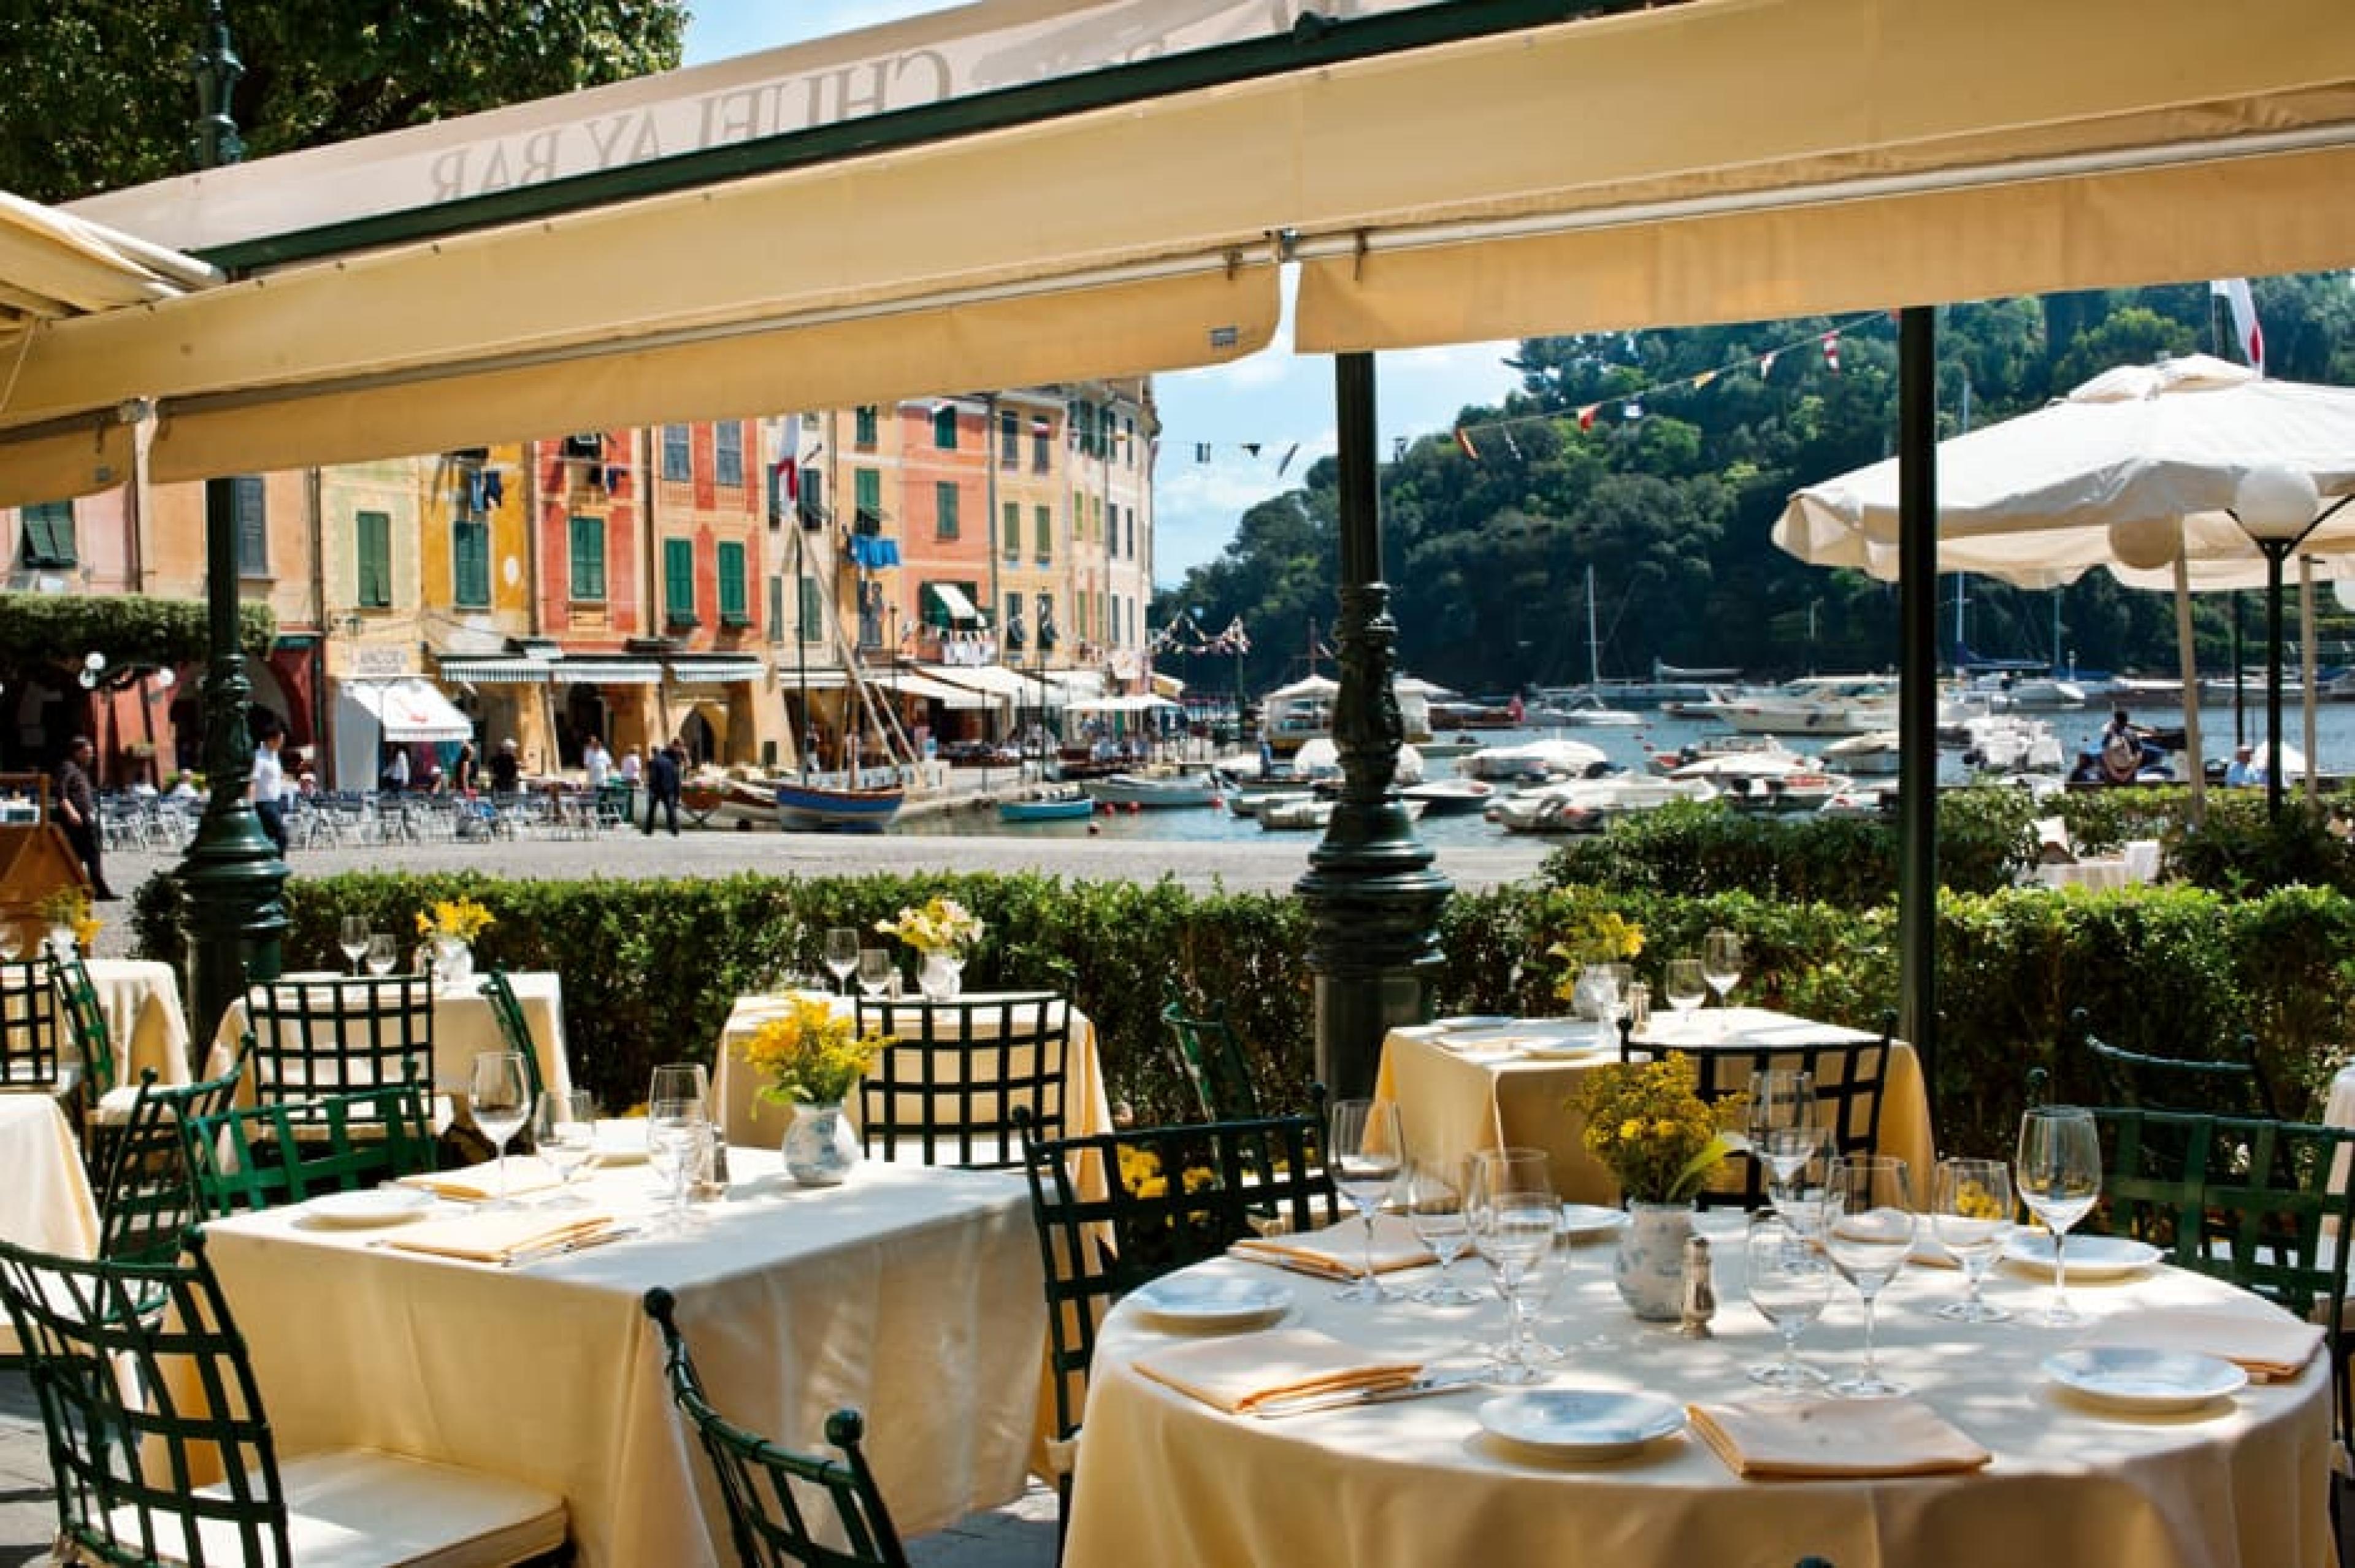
{"type": "Point", "coordinates": [231, 874]}
{"type": "Point", "coordinates": [1917, 712]}
{"type": "Point", "coordinates": [1373, 897]}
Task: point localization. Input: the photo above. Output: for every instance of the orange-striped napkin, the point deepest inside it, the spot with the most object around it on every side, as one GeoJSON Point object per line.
{"type": "Point", "coordinates": [1836, 1437]}
{"type": "Point", "coordinates": [1338, 1252]}
{"type": "Point", "coordinates": [1243, 1371]}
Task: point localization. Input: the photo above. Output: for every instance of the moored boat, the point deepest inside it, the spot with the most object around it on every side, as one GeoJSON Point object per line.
{"type": "Point", "coordinates": [1154, 790]}
{"type": "Point", "coordinates": [1064, 805]}
{"type": "Point", "coordinates": [816, 808]}
{"type": "Point", "coordinates": [720, 800]}
{"type": "Point", "coordinates": [1451, 797]}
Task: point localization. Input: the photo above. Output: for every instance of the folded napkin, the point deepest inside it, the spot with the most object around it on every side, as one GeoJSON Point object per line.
{"type": "Point", "coordinates": [2269, 1346]}
{"type": "Point", "coordinates": [480, 1183]}
{"type": "Point", "coordinates": [1338, 1252]}
{"type": "Point", "coordinates": [500, 1236]}
{"type": "Point", "coordinates": [1241, 1373]}
{"type": "Point", "coordinates": [1836, 1437]}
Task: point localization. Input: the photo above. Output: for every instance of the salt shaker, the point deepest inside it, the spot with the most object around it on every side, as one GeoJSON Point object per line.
{"type": "Point", "coordinates": [1640, 1007]}
{"type": "Point", "coordinates": [1701, 1295]}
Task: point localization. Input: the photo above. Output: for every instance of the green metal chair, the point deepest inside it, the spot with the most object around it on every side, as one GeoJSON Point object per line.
{"type": "Point", "coordinates": [330, 1037]}
{"type": "Point", "coordinates": [143, 1381]}
{"type": "Point", "coordinates": [1211, 1059]}
{"type": "Point", "coordinates": [947, 1090]}
{"type": "Point", "coordinates": [772, 1492]}
{"type": "Point", "coordinates": [1848, 1076]}
{"type": "Point", "coordinates": [30, 1058]}
{"type": "Point", "coordinates": [513, 1028]}
{"type": "Point", "coordinates": [1173, 1196]}
{"type": "Point", "coordinates": [148, 1199]}
{"type": "Point", "coordinates": [2231, 1085]}
{"type": "Point", "coordinates": [261, 1157]}
{"type": "Point", "coordinates": [105, 1105]}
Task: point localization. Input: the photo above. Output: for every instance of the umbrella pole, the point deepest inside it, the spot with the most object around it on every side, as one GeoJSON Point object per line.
{"type": "Point", "coordinates": [2188, 661]}
{"type": "Point", "coordinates": [2305, 675]}
{"type": "Point", "coordinates": [1917, 615]}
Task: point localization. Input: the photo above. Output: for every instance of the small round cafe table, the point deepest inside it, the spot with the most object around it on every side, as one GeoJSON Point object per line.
{"type": "Point", "coordinates": [1165, 1480]}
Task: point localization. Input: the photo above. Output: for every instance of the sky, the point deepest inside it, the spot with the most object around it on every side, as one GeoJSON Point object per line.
{"type": "Point", "coordinates": [1274, 398]}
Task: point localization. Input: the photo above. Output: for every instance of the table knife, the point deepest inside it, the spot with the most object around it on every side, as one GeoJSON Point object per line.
{"type": "Point", "coordinates": [569, 1244]}
{"type": "Point", "coordinates": [1428, 1383]}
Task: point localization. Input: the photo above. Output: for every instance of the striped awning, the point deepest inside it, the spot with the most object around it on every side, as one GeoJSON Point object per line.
{"type": "Point", "coordinates": [496, 671]}
{"type": "Point", "coordinates": [715, 671]}
{"type": "Point", "coordinates": [605, 672]}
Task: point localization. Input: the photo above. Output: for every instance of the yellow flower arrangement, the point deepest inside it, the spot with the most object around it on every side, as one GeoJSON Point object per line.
{"type": "Point", "coordinates": [65, 905]}
{"type": "Point", "coordinates": [453, 920]}
{"type": "Point", "coordinates": [811, 1054]}
{"type": "Point", "coordinates": [1604, 937]}
{"type": "Point", "coordinates": [941, 925]}
{"type": "Point", "coordinates": [1649, 1126]}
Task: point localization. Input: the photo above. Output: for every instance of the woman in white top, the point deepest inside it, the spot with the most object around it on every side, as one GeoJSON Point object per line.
{"type": "Point", "coordinates": [268, 790]}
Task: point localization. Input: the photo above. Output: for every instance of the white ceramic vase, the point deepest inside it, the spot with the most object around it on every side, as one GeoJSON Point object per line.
{"type": "Point", "coordinates": [820, 1146]}
{"type": "Point", "coordinates": [453, 963]}
{"type": "Point", "coordinates": [940, 976]}
{"type": "Point", "coordinates": [1649, 1268]}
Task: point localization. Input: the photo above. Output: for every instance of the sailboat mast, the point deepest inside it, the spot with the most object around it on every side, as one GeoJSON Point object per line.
{"type": "Point", "coordinates": [1594, 642]}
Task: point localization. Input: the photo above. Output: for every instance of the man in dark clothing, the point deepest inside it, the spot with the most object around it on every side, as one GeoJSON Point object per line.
{"type": "Point", "coordinates": [662, 787]}
{"type": "Point", "coordinates": [507, 771]}
{"type": "Point", "coordinates": [78, 811]}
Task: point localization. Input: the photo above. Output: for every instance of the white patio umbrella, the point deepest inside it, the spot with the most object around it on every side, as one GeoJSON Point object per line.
{"type": "Point", "coordinates": [2137, 470]}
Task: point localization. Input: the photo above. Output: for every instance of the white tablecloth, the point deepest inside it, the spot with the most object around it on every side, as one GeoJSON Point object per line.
{"type": "Point", "coordinates": [45, 1199]}
{"type": "Point", "coordinates": [911, 1294]}
{"type": "Point", "coordinates": [1166, 1480]}
{"type": "Point", "coordinates": [2101, 874]}
{"type": "Point", "coordinates": [144, 1017]}
{"type": "Point", "coordinates": [464, 1028]}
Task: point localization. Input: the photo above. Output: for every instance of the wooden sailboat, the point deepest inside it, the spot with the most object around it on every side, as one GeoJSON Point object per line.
{"type": "Point", "coordinates": [806, 805]}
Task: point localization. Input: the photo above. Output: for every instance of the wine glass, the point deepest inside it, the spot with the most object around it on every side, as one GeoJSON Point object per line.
{"type": "Point", "coordinates": [1599, 984]}
{"type": "Point", "coordinates": [842, 955]}
{"type": "Point", "coordinates": [1501, 1171]}
{"type": "Point", "coordinates": [674, 1133]}
{"type": "Point", "coordinates": [1972, 1219]}
{"type": "Point", "coordinates": [1868, 1232]}
{"type": "Point", "coordinates": [501, 1098]}
{"type": "Point", "coordinates": [564, 1134]}
{"type": "Point", "coordinates": [875, 971]}
{"type": "Point", "coordinates": [1514, 1231]}
{"type": "Point", "coordinates": [1782, 1122]}
{"type": "Point", "coordinates": [1365, 1151]}
{"type": "Point", "coordinates": [381, 952]}
{"type": "Point", "coordinates": [1720, 962]}
{"type": "Point", "coordinates": [1685, 988]}
{"type": "Point", "coordinates": [352, 937]}
{"type": "Point", "coordinates": [1789, 1283]}
{"type": "Point", "coordinates": [1436, 1206]}
{"type": "Point", "coordinates": [2058, 1170]}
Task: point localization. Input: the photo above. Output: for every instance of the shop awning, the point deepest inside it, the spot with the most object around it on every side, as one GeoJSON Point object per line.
{"type": "Point", "coordinates": [908, 683]}
{"type": "Point", "coordinates": [952, 599]}
{"type": "Point", "coordinates": [995, 680]}
{"type": "Point", "coordinates": [410, 708]}
{"type": "Point", "coordinates": [605, 672]}
{"type": "Point", "coordinates": [495, 671]}
{"type": "Point", "coordinates": [714, 671]}
{"type": "Point", "coordinates": [816, 678]}
{"type": "Point", "coordinates": [1121, 704]}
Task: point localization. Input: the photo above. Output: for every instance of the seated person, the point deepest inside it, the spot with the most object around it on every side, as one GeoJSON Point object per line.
{"type": "Point", "coordinates": [2244, 770]}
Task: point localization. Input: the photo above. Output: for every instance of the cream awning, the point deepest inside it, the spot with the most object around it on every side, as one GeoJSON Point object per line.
{"type": "Point", "coordinates": [715, 671]}
{"type": "Point", "coordinates": [908, 683]}
{"type": "Point", "coordinates": [605, 672]}
{"type": "Point", "coordinates": [410, 708]}
{"type": "Point", "coordinates": [495, 671]}
{"type": "Point", "coordinates": [995, 680]}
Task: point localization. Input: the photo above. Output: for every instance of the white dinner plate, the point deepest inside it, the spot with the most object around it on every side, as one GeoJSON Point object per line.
{"type": "Point", "coordinates": [1563, 1046]}
{"type": "Point", "coordinates": [622, 1142]}
{"type": "Point", "coordinates": [2137, 1377]}
{"type": "Point", "coordinates": [1474, 1020]}
{"type": "Point", "coordinates": [2089, 1258]}
{"type": "Point", "coordinates": [368, 1206]}
{"type": "Point", "coordinates": [1213, 1301]}
{"type": "Point", "coordinates": [1586, 1221]}
{"type": "Point", "coordinates": [310, 977]}
{"type": "Point", "coordinates": [1581, 1424]}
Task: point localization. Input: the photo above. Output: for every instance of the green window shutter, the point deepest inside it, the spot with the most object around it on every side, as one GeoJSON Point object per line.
{"type": "Point", "coordinates": [375, 538]}
{"type": "Point", "coordinates": [776, 609]}
{"type": "Point", "coordinates": [1009, 440]}
{"type": "Point", "coordinates": [1044, 524]}
{"type": "Point", "coordinates": [944, 431]}
{"type": "Point", "coordinates": [728, 452]}
{"type": "Point", "coordinates": [470, 562]}
{"type": "Point", "coordinates": [1010, 531]}
{"type": "Point", "coordinates": [589, 559]}
{"type": "Point", "coordinates": [870, 483]}
{"type": "Point", "coordinates": [735, 609]}
{"type": "Point", "coordinates": [49, 534]}
{"type": "Point", "coordinates": [863, 433]}
{"type": "Point", "coordinates": [944, 509]}
{"type": "Point", "coordinates": [678, 582]}
{"type": "Point", "coordinates": [677, 452]}
{"type": "Point", "coordinates": [812, 620]}
{"type": "Point", "coordinates": [253, 526]}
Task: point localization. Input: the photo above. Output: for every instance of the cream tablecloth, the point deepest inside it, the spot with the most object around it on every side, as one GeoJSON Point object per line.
{"type": "Point", "coordinates": [1458, 1091]}
{"type": "Point", "coordinates": [1166, 1480]}
{"type": "Point", "coordinates": [44, 1201]}
{"type": "Point", "coordinates": [911, 1294]}
{"type": "Point", "coordinates": [464, 1028]}
{"type": "Point", "coordinates": [144, 1017]}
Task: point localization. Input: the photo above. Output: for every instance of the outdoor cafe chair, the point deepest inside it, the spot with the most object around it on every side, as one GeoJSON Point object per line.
{"type": "Point", "coordinates": [148, 1198]}
{"type": "Point", "coordinates": [948, 1091]}
{"type": "Point", "coordinates": [328, 1036]}
{"type": "Point", "coordinates": [143, 1382]}
{"type": "Point", "coordinates": [30, 1062]}
{"type": "Point", "coordinates": [263, 1156]}
{"type": "Point", "coordinates": [769, 1491]}
{"type": "Point", "coordinates": [2233, 1084]}
{"type": "Point", "coordinates": [106, 1105]}
{"type": "Point", "coordinates": [1211, 1059]}
{"type": "Point", "coordinates": [514, 1029]}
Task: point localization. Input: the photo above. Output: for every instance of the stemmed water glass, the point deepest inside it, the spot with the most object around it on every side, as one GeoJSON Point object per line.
{"type": "Point", "coordinates": [1367, 1150]}
{"type": "Point", "coordinates": [2058, 1170]}
{"type": "Point", "coordinates": [1782, 1124]}
{"type": "Point", "coordinates": [501, 1098]}
{"type": "Point", "coordinates": [842, 955]}
{"type": "Point", "coordinates": [564, 1134]}
{"type": "Point", "coordinates": [874, 971]}
{"type": "Point", "coordinates": [352, 937]}
{"type": "Point", "coordinates": [1971, 1216]}
{"type": "Point", "coordinates": [1513, 1228]}
{"type": "Point", "coordinates": [675, 1132]}
{"type": "Point", "coordinates": [1436, 1206]}
{"type": "Point", "coordinates": [1599, 983]}
{"type": "Point", "coordinates": [1868, 1232]}
{"type": "Point", "coordinates": [1685, 988]}
{"type": "Point", "coordinates": [382, 953]}
{"type": "Point", "coordinates": [1720, 962]}
{"type": "Point", "coordinates": [1789, 1283]}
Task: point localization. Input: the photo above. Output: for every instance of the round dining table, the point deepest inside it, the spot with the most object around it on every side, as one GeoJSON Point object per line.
{"type": "Point", "coordinates": [1165, 1479]}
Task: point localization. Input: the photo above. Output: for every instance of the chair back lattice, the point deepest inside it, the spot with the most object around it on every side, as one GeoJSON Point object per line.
{"type": "Point", "coordinates": [147, 1198]}
{"type": "Point", "coordinates": [28, 1026]}
{"type": "Point", "coordinates": [261, 1157]}
{"type": "Point", "coordinates": [141, 1381]}
{"type": "Point", "coordinates": [314, 1038]}
{"type": "Point", "coordinates": [86, 1018]}
{"type": "Point", "coordinates": [2232, 1085]}
{"type": "Point", "coordinates": [947, 1092]}
{"type": "Point", "coordinates": [1172, 1195]}
{"type": "Point", "coordinates": [1848, 1076]}
{"type": "Point", "coordinates": [1211, 1059]}
{"type": "Point", "coordinates": [772, 1492]}
{"type": "Point", "coordinates": [514, 1029]}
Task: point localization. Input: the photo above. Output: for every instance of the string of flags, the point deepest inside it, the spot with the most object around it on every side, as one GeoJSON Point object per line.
{"type": "Point", "coordinates": [1185, 636]}
{"type": "Point", "coordinates": [1631, 404]}
{"type": "Point", "coordinates": [1205, 450]}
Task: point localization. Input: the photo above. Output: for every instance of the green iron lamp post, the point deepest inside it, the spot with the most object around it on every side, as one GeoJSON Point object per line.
{"type": "Point", "coordinates": [231, 874]}
{"type": "Point", "coordinates": [2276, 508]}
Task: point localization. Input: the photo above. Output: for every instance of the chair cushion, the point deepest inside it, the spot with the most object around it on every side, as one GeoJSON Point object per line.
{"type": "Point", "coordinates": [358, 1508]}
{"type": "Point", "coordinates": [113, 1107]}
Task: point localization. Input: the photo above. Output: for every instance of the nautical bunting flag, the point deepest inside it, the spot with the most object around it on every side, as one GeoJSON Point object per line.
{"type": "Point", "coordinates": [1289, 453]}
{"type": "Point", "coordinates": [2245, 331]}
{"type": "Point", "coordinates": [1252, 447]}
{"type": "Point", "coordinates": [1766, 366]}
{"type": "Point", "coordinates": [1587, 416]}
{"type": "Point", "coordinates": [1831, 351]}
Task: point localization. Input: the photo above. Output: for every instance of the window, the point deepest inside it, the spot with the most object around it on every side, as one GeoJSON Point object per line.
{"type": "Point", "coordinates": [470, 562]}
{"type": "Point", "coordinates": [944, 422]}
{"type": "Point", "coordinates": [678, 582]}
{"type": "Point", "coordinates": [868, 483]}
{"type": "Point", "coordinates": [253, 526]}
{"type": "Point", "coordinates": [1043, 526]}
{"type": "Point", "coordinates": [1042, 450]}
{"type": "Point", "coordinates": [374, 537]}
{"type": "Point", "coordinates": [1132, 533]}
{"type": "Point", "coordinates": [813, 614]}
{"type": "Point", "coordinates": [813, 498]}
{"type": "Point", "coordinates": [1046, 626]}
{"type": "Point", "coordinates": [735, 597]}
{"type": "Point", "coordinates": [1009, 440]}
{"type": "Point", "coordinates": [49, 534]}
{"type": "Point", "coordinates": [678, 453]}
{"type": "Point", "coordinates": [728, 452]}
{"type": "Point", "coordinates": [863, 427]}
{"type": "Point", "coordinates": [1014, 628]}
{"type": "Point", "coordinates": [777, 609]}
{"type": "Point", "coordinates": [1128, 442]}
{"type": "Point", "coordinates": [589, 559]}
{"type": "Point", "coordinates": [1010, 531]}
{"type": "Point", "coordinates": [945, 521]}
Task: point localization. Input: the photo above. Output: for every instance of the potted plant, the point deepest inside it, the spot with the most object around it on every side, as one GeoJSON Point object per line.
{"type": "Point", "coordinates": [450, 926]}
{"type": "Point", "coordinates": [811, 1057]}
{"type": "Point", "coordinates": [942, 932]}
{"type": "Point", "coordinates": [1647, 1125]}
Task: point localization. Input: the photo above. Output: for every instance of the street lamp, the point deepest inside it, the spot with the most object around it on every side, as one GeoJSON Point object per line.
{"type": "Point", "coordinates": [2276, 508]}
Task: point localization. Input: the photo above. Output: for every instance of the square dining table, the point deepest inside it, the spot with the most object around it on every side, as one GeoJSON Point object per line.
{"type": "Point", "coordinates": [464, 1028]}
{"type": "Point", "coordinates": [1462, 1090]}
{"type": "Point", "coordinates": [909, 1293]}
{"type": "Point", "coordinates": [141, 998]}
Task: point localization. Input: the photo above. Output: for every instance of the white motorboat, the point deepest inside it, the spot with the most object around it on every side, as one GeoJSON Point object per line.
{"type": "Point", "coordinates": [1156, 791]}
{"type": "Point", "coordinates": [1321, 759]}
{"type": "Point", "coordinates": [1314, 812]}
{"type": "Point", "coordinates": [1580, 710]}
{"type": "Point", "coordinates": [2007, 743]}
{"type": "Point", "coordinates": [1589, 805]}
{"type": "Point", "coordinates": [1531, 760]}
{"type": "Point", "coordinates": [1815, 705]}
{"type": "Point", "coordinates": [1874, 753]}
{"type": "Point", "coordinates": [1803, 790]}
{"type": "Point", "coordinates": [1726, 755]}
{"type": "Point", "coordinates": [1452, 797]}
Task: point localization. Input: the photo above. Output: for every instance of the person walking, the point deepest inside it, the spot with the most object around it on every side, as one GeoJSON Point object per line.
{"type": "Point", "coordinates": [396, 775]}
{"type": "Point", "coordinates": [662, 786]}
{"type": "Point", "coordinates": [506, 769]}
{"type": "Point", "coordinates": [267, 788]}
{"type": "Point", "coordinates": [464, 772]}
{"type": "Point", "coordinates": [78, 812]}
{"type": "Point", "coordinates": [597, 763]}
